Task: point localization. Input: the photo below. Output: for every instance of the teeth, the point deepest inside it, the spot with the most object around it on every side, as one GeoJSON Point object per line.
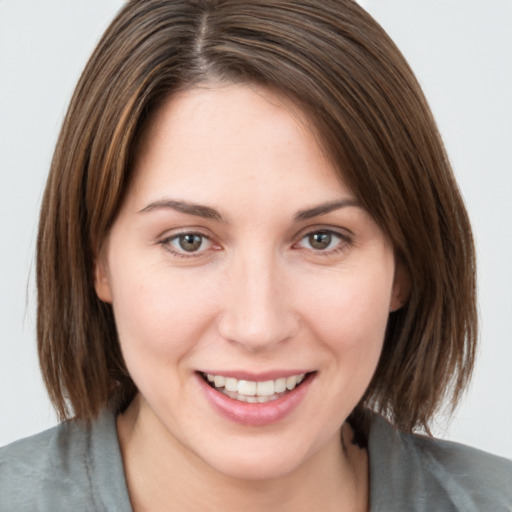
{"type": "Point", "coordinates": [254, 392]}
{"type": "Point", "coordinates": [280, 385]}
{"type": "Point", "coordinates": [219, 381]}
{"type": "Point", "coordinates": [252, 399]}
{"type": "Point", "coordinates": [265, 388]}
{"type": "Point", "coordinates": [246, 387]}
{"type": "Point", "coordinates": [231, 384]}
{"type": "Point", "coordinates": [291, 382]}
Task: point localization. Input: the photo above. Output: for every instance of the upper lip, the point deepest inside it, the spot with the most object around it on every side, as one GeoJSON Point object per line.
{"type": "Point", "coordinates": [256, 377]}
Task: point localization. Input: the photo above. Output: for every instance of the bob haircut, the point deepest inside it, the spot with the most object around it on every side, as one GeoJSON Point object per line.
{"type": "Point", "coordinates": [369, 114]}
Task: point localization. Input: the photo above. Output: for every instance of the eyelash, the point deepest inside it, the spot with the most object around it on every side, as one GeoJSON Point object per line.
{"type": "Point", "coordinates": [166, 243]}
{"type": "Point", "coordinates": [345, 241]}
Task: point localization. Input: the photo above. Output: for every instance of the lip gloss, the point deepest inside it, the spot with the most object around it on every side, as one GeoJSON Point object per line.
{"type": "Point", "coordinates": [258, 414]}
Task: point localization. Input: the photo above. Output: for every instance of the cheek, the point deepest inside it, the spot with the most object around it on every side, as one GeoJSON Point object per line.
{"type": "Point", "coordinates": [160, 315]}
{"type": "Point", "coordinates": [350, 312]}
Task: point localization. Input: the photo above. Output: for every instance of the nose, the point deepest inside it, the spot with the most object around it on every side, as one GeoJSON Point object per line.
{"type": "Point", "coordinates": [258, 311]}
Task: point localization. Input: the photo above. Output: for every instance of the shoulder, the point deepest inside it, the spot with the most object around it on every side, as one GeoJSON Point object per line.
{"type": "Point", "coordinates": [33, 471]}
{"type": "Point", "coordinates": [59, 469]}
{"type": "Point", "coordinates": [430, 474]}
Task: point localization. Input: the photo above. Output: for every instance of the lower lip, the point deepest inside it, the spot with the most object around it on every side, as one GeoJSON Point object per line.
{"type": "Point", "coordinates": [260, 414]}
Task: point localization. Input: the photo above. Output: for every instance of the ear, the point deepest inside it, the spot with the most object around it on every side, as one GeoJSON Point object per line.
{"type": "Point", "coordinates": [101, 278]}
{"type": "Point", "coordinates": [401, 288]}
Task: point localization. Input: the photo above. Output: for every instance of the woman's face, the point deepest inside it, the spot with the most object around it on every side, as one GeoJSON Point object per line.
{"type": "Point", "coordinates": [238, 256]}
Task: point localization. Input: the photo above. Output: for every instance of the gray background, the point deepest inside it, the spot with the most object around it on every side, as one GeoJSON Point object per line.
{"type": "Point", "coordinates": [461, 51]}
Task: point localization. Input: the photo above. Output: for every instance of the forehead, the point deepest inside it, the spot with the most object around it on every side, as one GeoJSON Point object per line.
{"type": "Point", "coordinates": [241, 137]}
{"type": "Point", "coordinates": [205, 114]}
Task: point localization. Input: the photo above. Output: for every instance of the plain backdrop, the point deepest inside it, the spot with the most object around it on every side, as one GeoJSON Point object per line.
{"type": "Point", "coordinates": [461, 51]}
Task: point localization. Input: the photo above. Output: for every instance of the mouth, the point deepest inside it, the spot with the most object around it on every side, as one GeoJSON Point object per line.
{"type": "Point", "coordinates": [253, 392]}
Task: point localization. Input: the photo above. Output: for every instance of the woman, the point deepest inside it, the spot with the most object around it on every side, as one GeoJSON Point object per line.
{"type": "Point", "coordinates": [248, 247]}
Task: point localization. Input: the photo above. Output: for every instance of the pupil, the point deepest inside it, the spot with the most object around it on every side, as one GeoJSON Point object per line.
{"type": "Point", "coordinates": [190, 243]}
{"type": "Point", "coordinates": [320, 240]}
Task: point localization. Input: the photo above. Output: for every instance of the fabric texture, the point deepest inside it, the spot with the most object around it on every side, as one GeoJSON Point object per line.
{"type": "Point", "coordinates": [78, 467]}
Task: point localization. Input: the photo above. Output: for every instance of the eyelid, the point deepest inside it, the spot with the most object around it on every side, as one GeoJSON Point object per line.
{"type": "Point", "coordinates": [346, 239]}
{"type": "Point", "coordinates": [323, 228]}
{"type": "Point", "coordinates": [345, 236]}
{"type": "Point", "coordinates": [165, 241]}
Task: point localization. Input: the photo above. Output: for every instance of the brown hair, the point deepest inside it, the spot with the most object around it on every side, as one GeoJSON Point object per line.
{"type": "Point", "coordinates": [340, 67]}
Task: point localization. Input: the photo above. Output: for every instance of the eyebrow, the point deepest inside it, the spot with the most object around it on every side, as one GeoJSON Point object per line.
{"type": "Point", "coordinates": [324, 208]}
{"type": "Point", "coordinates": [207, 212]}
{"type": "Point", "coordinates": [198, 210]}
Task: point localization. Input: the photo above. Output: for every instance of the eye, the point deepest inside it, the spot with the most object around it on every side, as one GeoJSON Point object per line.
{"type": "Point", "coordinates": [186, 244]}
{"type": "Point", "coordinates": [323, 241]}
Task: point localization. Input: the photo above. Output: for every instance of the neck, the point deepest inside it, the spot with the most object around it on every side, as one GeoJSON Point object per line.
{"type": "Point", "coordinates": [162, 474]}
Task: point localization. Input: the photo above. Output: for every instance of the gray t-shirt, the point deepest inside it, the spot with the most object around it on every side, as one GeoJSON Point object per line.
{"type": "Point", "coordinates": [78, 467]}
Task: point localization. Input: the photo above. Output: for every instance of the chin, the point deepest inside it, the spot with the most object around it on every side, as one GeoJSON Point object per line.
{"type": "Point", "coordinates": [263, 456]}
{"type": "Point", "coordinates": [253, 467]}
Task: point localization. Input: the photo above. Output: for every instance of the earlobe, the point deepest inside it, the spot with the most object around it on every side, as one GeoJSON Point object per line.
{"type": "Point", "coordinates": [101, 281]}
{"type": "Point", "coordinates": [401, 288]}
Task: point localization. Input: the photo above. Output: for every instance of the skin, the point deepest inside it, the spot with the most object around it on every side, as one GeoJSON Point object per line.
{"type": "Point", "coordinates": [255, 296]}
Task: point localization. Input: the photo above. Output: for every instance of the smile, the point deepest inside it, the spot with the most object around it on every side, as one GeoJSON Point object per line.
{"type": "Point", "coordinates": [252, 391]}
